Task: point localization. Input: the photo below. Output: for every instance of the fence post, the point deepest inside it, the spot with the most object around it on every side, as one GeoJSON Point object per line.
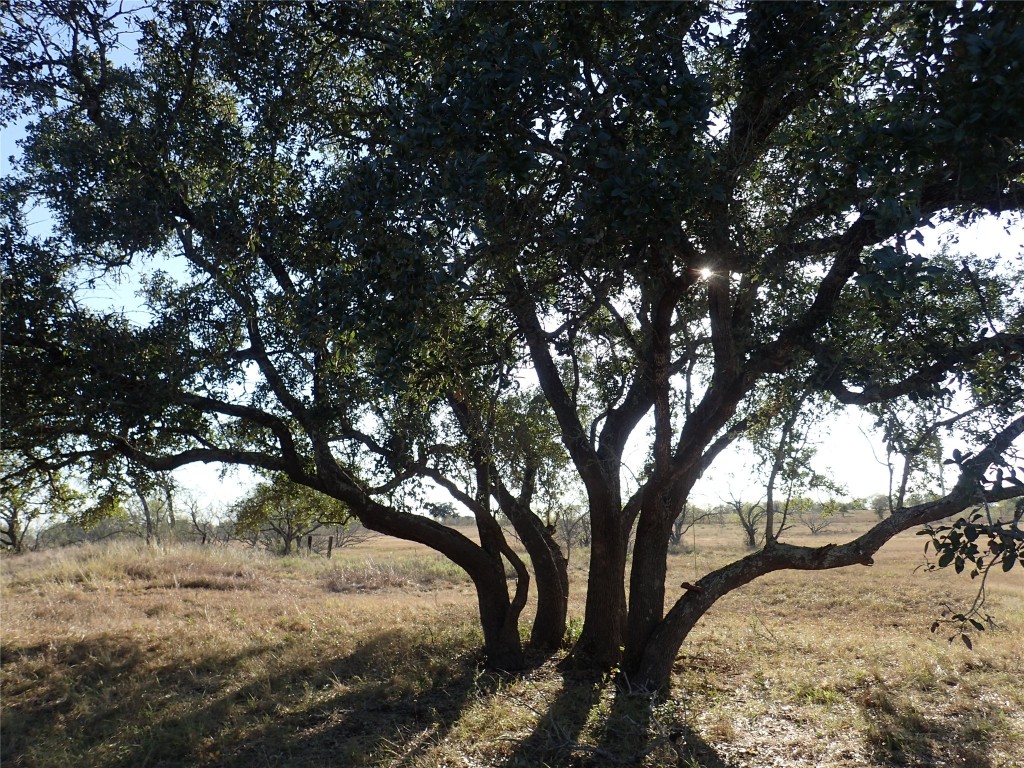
{"type": "Point", "coordinates": [330, 546]}
{"type": "Point", "coordinates": [309, 544]}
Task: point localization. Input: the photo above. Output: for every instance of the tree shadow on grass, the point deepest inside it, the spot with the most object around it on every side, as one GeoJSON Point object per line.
{"type": "Point", "coordinates": [372, 718]}
{"type": "Point", "coordinates": [103, 702]}
{"type": "Point", "coordinates": [594, 723]}
{"type": "Point", "coordinates": [554, 740]}
{"type": "Point", "coordinates": [899, 733]}
{"type": "Point", "coordinates": [642, 728]}
{"type": "Point", "coordinates": [111, 701]}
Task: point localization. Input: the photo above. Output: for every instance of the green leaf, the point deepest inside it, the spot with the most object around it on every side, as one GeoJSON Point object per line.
{"type": "Point", "coordinates": [1009, 560]}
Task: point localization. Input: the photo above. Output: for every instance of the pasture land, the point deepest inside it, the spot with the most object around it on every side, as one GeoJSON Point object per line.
{"type": "Point", "coordinates": [220, 656]}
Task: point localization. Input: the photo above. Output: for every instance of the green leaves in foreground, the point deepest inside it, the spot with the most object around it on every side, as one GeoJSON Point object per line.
{"type": "Point", "coordinates": [977, 543]}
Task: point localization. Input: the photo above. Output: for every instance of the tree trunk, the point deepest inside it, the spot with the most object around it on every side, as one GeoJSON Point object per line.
{"type": "Point", "coordinates": [604, 623]}
{"type": "Point", "coordinates": [499, 620]}
{"type": "Point", "coordinates": [646, 584]}
{"type": "Point", "coordinates": [16, 534]}
{"type": "Point", "coordinates": [654, 659]}
{"type": "Point", "coordinates": [148, 517]}
{"type": "Point", "coordinates": [552, 577]}
{"type": "Point", "coordinates": [549, 567]}
{"type": "Point", "coordinates": [659, 652]}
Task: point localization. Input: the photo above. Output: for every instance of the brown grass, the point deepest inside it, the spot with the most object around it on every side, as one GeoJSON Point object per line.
{"type": "Point", "coordinates": [118, 656]}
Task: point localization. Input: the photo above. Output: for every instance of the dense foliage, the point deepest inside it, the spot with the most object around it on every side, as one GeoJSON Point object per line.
{"type": "Point", "coordinates": [484, 247]}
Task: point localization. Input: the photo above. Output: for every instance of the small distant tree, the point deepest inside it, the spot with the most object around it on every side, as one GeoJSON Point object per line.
{"type": "Point", "coordinates": [851, 505]}
{"type": "Point", "coordinates": [204, 525]}
{"type": "Point", "coordinates": [685, 520]}
{"type": "Point", "coordinates": [282, 512]}
{"type": "Point", "coordinates": [154, 494]}
{"type": "Point", "coordinates": [443, 511]}
{"type": "Point", "coordinates": [813, 515]}
{"type": "Point", "coordinates": [341, 536]}
{"type": "Point", "coordinates": [749, 517]}
{"type": "Point", "coordinates": [880, 505]}
{"type": "Point", "coordinates": [76, 528]}
{"type": "Point", "coordinates": [572, 528]}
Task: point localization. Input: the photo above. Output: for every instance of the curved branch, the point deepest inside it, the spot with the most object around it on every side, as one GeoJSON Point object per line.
{"type": "Point", "coordinates": [699, 597]}
{"type": "Point", "coordinates": [275, 424]}
{"type": "Point", "coordinates": [921, 379]}
{"type": "Point", "coordinates": [574, 434]}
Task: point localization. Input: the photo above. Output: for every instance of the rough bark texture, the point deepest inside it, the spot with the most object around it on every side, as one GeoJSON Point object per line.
{"type": "Point", "coordinates": [550, 569]}
{"type": "Point", "coordinates": [646, 585]}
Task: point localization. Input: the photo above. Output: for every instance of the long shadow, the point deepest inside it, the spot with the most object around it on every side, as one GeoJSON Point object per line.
{"type": "Point", "coordinates": [554, 739]}
{"type": "Point", "coordinates": [87, 695]}
{"type": "Point", "coordinates": [106, 703]}
{"type": "Point", "coordinates": [634, 732]}
{"type": "Point", "coordinates": [111, 708]}
{"type": "Point", "coordinates": [370, 721]}
{"type": "Point", "coordinates": [629, 731]}
{"type": "Point", "coordinates": [901, 734]}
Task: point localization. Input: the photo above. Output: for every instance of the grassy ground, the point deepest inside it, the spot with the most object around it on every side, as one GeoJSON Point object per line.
{"type": "Point", "coordinates": [118, 656]}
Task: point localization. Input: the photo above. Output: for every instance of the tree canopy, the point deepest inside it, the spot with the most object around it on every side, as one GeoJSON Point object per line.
{"type": "Point", "coordinates": [484, 247]}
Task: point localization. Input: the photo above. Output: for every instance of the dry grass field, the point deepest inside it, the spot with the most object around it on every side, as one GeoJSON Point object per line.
{"type": "Point", "coordinates": [118, 656]}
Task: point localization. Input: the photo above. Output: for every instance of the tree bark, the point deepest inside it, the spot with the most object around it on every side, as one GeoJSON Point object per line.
{"type": "Point", "coordinates": [646, 583]}
{"type": "Point", "coordinates": [551, 571]}
{"type": "Point", "coordinates": [604, 624]}
{"type": "Point", "coordinates": [654, 660]}
{"type": "Point", "coordinates": [499, 619]}
{"type": "Point", "coordinates": [552, 576]}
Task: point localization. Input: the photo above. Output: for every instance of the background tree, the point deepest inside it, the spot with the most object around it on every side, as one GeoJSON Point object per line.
{"type": "Point", "coordinates": [154, 495]}
{"type": "Point", "coordinates": [880, 505]}
{"type": "Point", "coordinates": [285, 513]}
{"type": "Point", "coordinates": [690, 515]}
{"type": "Point", "coordinates": [204, 525]}
{"type": "Point", "coordinates": [28, 499]}
{"type": "Point", "coordinates": [444, 511]}
{"type": "Point", "coordinates": [333, 537]}
{"type": "Point", "coordinates": [572, 526]}
{"type": "Point", "coordinates": [750, 517]}
{"type": "Point", "coordinates": [382, 217]}
{"type": "Point", "coordinates": [780, 430]}
{"type": "Point", "coordinates": [814, 516]}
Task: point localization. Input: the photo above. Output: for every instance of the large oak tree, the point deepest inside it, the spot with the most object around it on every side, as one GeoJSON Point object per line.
{"type": "Point", "coordinates": [486, 246]}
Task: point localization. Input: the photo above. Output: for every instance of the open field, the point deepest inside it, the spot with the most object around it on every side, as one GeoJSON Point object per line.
{"type": "Point", "coordinates": [118, 656]}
